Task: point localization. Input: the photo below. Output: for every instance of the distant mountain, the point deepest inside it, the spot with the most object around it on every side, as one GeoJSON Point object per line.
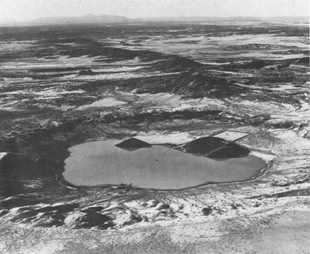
{"type": "Point", "coordinates": [106, 19]}
{"type": "Point", "coordinates": [199, 19]}
{"type": "Point", "coordinates": [86, 19]}
{"type": "Point", "coordinates": [228, 20]}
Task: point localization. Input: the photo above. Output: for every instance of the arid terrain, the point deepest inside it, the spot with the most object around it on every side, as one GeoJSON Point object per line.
{"type": "Point", "coordinates": [170, 83]}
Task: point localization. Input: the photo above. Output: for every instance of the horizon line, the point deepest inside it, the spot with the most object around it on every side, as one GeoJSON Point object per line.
{"type": "Point", "coordinates": [2, 22]}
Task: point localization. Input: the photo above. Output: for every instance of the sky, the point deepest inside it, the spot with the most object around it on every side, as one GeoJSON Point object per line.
{"type": "Point", "coordinates": [25, 10]}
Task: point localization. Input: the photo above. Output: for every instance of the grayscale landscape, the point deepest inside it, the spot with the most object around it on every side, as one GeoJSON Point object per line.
{"type": "Point", "coordinates": [172, 135]}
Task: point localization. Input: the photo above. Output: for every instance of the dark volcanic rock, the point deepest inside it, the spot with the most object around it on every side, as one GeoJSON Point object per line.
{"type": "Point", "coordinates": [163, 206]}
{"type": "Point", "coordinates": [224, 152]}
{"type": "Point", "coordinates": [87, 219]}
{"type": "Point", "coordinates": [17, 202]}
{"type": "Point", "coordinates": [24, 215]}
{"type": "Point", "coordinates": [231, 151]}
{"type": "Point", "coordinates": [133, 144]}
{"type": "Point", "coordinates": [93, 208]}
{"type": "Point", "coordinates": [59, 208]}
{"type": "Point", "coordinates": [134, 218]}
{"type": "Point", "coordinates": [207, 210]}
{"type": "Point", "coordinates": [214, 147]}
{"type": "Point", "coordinates": [13, 167]}
{"type": "Point", "coordinates": [86, 72]}
{"type": "Point", "coordinates": [304, 60]}
{"type": "Point", "coordinates": [205, 145]}
{"type": "Point", "coordinates": [256, 64]}
{"type": "Point", "coordinates": [178, 63]}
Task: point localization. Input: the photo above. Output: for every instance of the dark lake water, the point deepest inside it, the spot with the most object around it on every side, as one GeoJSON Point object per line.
{"type": "Point", "coordinates": [158, 167]}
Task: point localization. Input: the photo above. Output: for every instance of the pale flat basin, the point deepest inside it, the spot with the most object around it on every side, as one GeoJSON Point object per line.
{"type": "Point", "coordinates": [156, 167]}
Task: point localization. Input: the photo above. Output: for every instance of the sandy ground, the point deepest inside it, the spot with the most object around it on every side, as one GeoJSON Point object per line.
{"type": "Point", "coordinates": [287, 232]}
